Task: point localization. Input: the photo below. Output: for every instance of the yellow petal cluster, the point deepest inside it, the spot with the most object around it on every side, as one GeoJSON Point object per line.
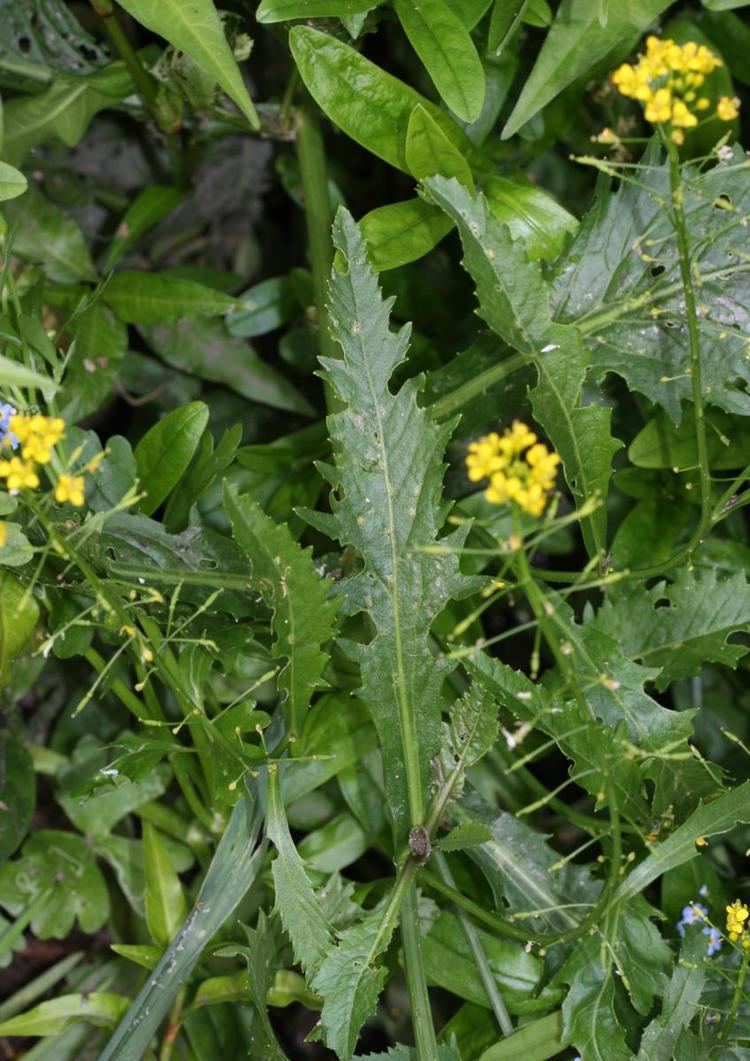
{"type": "Point", "coordinates": [70, 488]}
{"type": "Point", "coordinates": [518, 467]}
{"type": "Point", "coordinates": [34, 437]}
{"type": "Point", "coordinates": [19, 474]}
{"type": "Point", "coordinates": [737, 914]}
{"type": "Point", "coordinates": [37, 435]}
{"type": "Point", "coordinates": [667, 79]}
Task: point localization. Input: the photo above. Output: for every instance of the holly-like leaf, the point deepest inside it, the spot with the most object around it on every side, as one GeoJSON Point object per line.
{"type": "Point", "coordinates": [304, 614]}
{"type": "Point", "coordinates": [679, 626]}
{"type": "Point", "coordinates": [386, 503]}
{"type": "Point", "coordinates": [590, 1022]}
{"type": "Point", "coordinates": [621, 283]}
{"type": "Point", "coordinates": [514, 300]}
{"type": "Point", "coordinates": [63, 866]}
{"type": "Point", "coordinates": [681, 1000]}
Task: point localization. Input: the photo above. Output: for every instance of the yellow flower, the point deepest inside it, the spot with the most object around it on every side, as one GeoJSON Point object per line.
{"type": "Point", "coordinates": [737, 914]}
{"type": "Point", "coordinates": [727, 109]}
{"type": "Point", "coordinates": [518, 468]}
{"type": "Point", "coordinates": [3, 533]}
{"type": "Point", "coordinates": [37, 435]}
{"type": "Point", "coordinates": [665, 80]}
{"type": "Point", "coordinates": [70, 488]}
{"type": "Point", "coordinates": [19, 474]}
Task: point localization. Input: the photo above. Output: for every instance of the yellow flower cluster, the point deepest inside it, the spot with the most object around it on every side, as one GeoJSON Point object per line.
{"type": "Point", "coordinates": [518, 467]}
{"type": "Point", "coordinates": [737, 914]}
{"type": "Point", "coordinates": [36, 436]}
{"type": "Point", "coordinates": [667, 79]}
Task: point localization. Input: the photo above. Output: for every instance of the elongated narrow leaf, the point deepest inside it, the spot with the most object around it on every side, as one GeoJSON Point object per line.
{"type": "Point", "coordinates": [146, 210]}
{"type": "Point", "coordinates": [296, 901]}
{"type": "Point", "coordinates": [386, 504]}
{"type": "Point", "coordinates": [576, 41]}
{"type": "Point", "coordinates": [536, 1041]}
{"type": "Point", "coordinates": [165, 451]}
{"type": "Point", "coordinates": [233, 869]}
{"type": "Point", "coordinates": [710, 819]}
{"type": "Point", "coordinates": [681, 1001]}
{"type": "Point", "coordinates": [429, 151]}
{"type": "Point", "coordinates": [445, 47]}
{"type": "Point", "coordinates": [12, 374]}
{"type": "Point", "coordinates": [514, 300]}
{"type": "Point", "coordinates": [164, 898]}
{"type": "Point", "coordinates": [148, 298]}
{"type": "Point", "coordinates": [270, 11]}
{"type": "Point", "coordinates": [194, 27]}
{"type": "Point", "coordinates": [53, 1017]}
{"type": "Point", "coordinates": [590, 1020]}
{"type": "Point", "coordinates": [303, 612]}
{"type": "Point", "coordinates": [364, 101]}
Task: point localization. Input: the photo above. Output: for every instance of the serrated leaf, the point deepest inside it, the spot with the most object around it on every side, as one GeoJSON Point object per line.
{"type": "Point", "coordinates": [195, 28]}
{"type": "Point", "coordinates": [638, 320]}
{"type": "Point", "coordinates": [577, 40]}
{"type": "Point", "coordinates": [53, 1017]}
{"type": "Point", "coordinates": [590, 1022]}
{"type": "Point", "coordinates": [386, 504]}
{"type": "Point", "coordinates": [351, 979]}
{"type": "Point", "coordinates": [679, 626]}
{"type": "Point", "coordinates": [45, 234]}
{"type": "Point", "coordinates": [295, 899]}
{"type": "Point", "coordinates": [447, 51]}
{"type": "Point", "coordinates": [304, 614]}
{"type": "Point", "coordinates": [514, 301]}
{"type": "Point", "coordinates": [467, 834]}
{"type": "Point", "coordinates": [680, 1003]}
{"type": "Point", "coordinates": [368, 104]}
{"type": "Point", "coordinates": [710, 819]}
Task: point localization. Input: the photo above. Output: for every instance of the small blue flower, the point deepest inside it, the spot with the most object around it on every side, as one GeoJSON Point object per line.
{"type": "Point", "coordinates": [714, 940]}
{"type": "Point", "coordinates": [6, 411]}
{"type": "Point", "coordinates": [692, 914]}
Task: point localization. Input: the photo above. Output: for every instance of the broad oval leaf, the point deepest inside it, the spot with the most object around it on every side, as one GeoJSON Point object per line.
{"type": "Point", "coordinates": [194, 27]}
{"type": "Point", "coordinates": [429, 151]}
{"type": "Point", "coordinates": [165, 451]}
{"type": "Point", "coordinates": [12, 182]}
{"type": "Point", "coordinates": [403, 232]}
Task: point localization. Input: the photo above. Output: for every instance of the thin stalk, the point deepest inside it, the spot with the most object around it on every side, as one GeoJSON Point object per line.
{"type": "Point", "coordinates": [477, 950]}
{"type": "Point", "coordinates": [686, 274]}
{"type": "Point", "coordinates": [314, 173]}
{"type": "Point", "coordinates": [39, 986]}
{"type": "Point", "coordinates": [737, 997]}
{"type": "Point", "coordinates": [450, 403]}
{"type": "Point", "coordinates": [419, 998]}
{"type": "Point", "coordinates": [173, 1025]}
{"type": "Point", "coordinates": [145, 84]}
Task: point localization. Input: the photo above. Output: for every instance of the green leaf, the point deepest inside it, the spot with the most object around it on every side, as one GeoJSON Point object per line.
{"type": "Point", "coordinates": [165, 451]}
{"type": "Point", "coordinates": [533, 217]}
{"type": "Point", "coordinates": [680, 1003]}
{"type": "Point", "coordinates": [399, 233]}
{"type": "Point", "coordinates": [295, 900]}
{"type": "Point", "coordinates": [468, 737]}
{"type": "Point", "coordinates": [639, 322]}
{"type": "Point", "coordinates": [44, 234]}
{"type": "Point", "coordinates": [142, 954]}
{"type": "Point", "coordinates": [19, 614]}
{"type": "Point", "coordinates": [152, 298]}
{"type": "Point", "coordinates": [660, 444]}
{"type": "Point", "coordinates": [350, 980]}
{"type": "Point", "coordinates": [17, 793]}
{"type": "Point", "coordinates": [369, 105]}
{"type": "Point", "coordinates": [233, 869]}
{"type": "Point", "coordinates": [679, 626]}
{"type": "Point", "coordinates": [53, 1017]}
{"type": "Point", "coordinates": [195, 28]}
{"type": "Point", "coordinates": [14, 375]}
{"type": "Point", "coordinates": [304, 615]}
{"type": "Point", "coordinates": [62, 865]}
{"type": "Point", "coordinates": [101, 342]}
{"type": "Point", "coordinates": [204, 348]}
{"type": "Point", "coordinates": [263, 957]}
{"type": "Point", "coordinates": [445, 47]}
{"type": "Point", "coordinates": [270, 11]}
{"type": "Point", "coordinates": [450, 964]}
{"type": "Point", "coordinates": [387, 480]}
{"type": "Point", "coordinates": [148, 208]}
{"type": "Point", "coordinates": [164, 898]}
{"type": "Point", "coordinates": [467, 834]}
{"type": "Point", "coordinates": [590, 1021]}
{"type": "Point", "coordinates": [536, 1041]}
{"type": "Point", "coordinates": [335, 845]}
{"type": "Point", "coordinates": [63, 112]}
{"type": "Point", "coordinates": [12, 182]}
{"type": "Point", "coordinates": [576, 41]}
{"type": "Point", "coordinates": [514, 301]}
{"type": "Point", "coordinates": [263, 308]}
{"type": "Point", "coordinates": [206, 467]}
{"type": "Point", "coordinates": [710, 819]}
{"type": "Point", "coordinates": [430, 152]}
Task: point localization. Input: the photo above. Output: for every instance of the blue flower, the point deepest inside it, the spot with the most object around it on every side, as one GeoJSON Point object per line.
{"type": "Point", "coordinates": [692, 914]}
{"type": "Point", "coordinates": [714, 940]}
{"type": "Point", "coordinates": [6, 411]}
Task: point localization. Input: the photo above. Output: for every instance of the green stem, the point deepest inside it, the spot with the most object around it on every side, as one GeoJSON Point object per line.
{"type": "Point", "coordinates": [480, 958]}
{"type": "Point", "coordinates": [118, 687]}
{"type": "Point", "coordinates": [737, 998]}
{"type": "Point", "coordinates": [144, 82]}
{"type": "Point", "coordinates": [686, 274]}
{"type": "Point", "coordinates": [450, 403]}
{"type": "Point", "coordinates": [314, 173]}
{"type": "Point", "coordinates": [421, 1013]}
